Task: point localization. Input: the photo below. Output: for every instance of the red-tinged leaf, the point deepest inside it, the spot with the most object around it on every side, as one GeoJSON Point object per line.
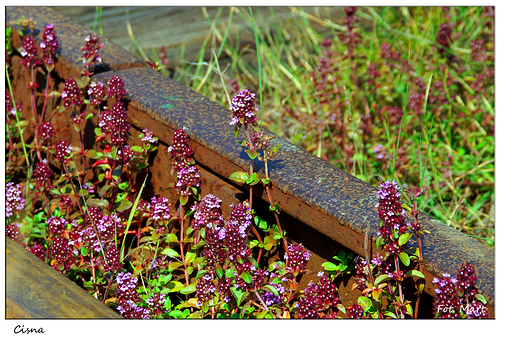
{"type": "Point", "coordinates": [183, 199]}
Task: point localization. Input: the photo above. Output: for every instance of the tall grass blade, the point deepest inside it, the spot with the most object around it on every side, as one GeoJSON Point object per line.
{"type": "Point", "coordinates": [258, 53]}
{"type": "Point", "coordinates": [131, 216]}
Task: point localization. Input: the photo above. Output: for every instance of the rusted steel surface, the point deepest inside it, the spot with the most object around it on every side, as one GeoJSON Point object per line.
{"type": "Point", "coordinates": [324, 207]}
{"type": "Point", "coordinates": [35, 290]}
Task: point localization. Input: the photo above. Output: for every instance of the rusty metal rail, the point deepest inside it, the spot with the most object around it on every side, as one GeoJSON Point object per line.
{"type": "Point", "coordinates": [324, 208]}
{"type": "Point", "coordinates": [36, 290]}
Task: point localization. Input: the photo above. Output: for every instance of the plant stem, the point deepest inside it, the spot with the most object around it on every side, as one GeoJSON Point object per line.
{"type": "Point", "coordinates": [46, 97]}
{"type": "Point", "coordinates": [420, 284]}
{"type": "Point", "coordinates": [36, 124]}
{"type": "Point", "coordinates": [251, 194]}
{"type": "Point", "coordinates": [17, 120]}
{"type": "Point", "coordinates": [370, 276]}
{"type": "Point", "coordinates": [114, 194]}
{"type": "Point", "coordinates": [181, 219]}
{"type": "Point", "coordinates": [268, 188]}
{"type": "Point", "coordinates": [10, 147]}
{"type": "Point", "coordinates": [400, 287]}
{"type": "Point", "coordinates": [74, 190]}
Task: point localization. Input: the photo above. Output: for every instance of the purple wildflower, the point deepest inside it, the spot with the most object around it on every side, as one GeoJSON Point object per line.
{"type": "Point", "coordinates": [91, 50]}
{"type": "Point", "coordinates": [13, 199]}
{"type": "Point", "coordinates": [187, 179]}
{"type": "Point", "coordinates": [207, 211]}
{"type": "Point", "coordinates": [47, 131]}
{"type": "Point", "coordinates": [63, 151]}
{"type": "Point", "coordinates": [297, 258]}
{"type": "Point", "coordinates": [116, 87]}
{"type": "Point", "coordinates": [71, 94]}
{"type": "Point", "coordinates": [96, 92]}
{"type": "Point", "coordinates": [243, 109]}
{"type": "Point", "coordinates": [49, 45]}
{"type": "Point", "coordinates": [159, 209]}
{"type": "Point", "coordinates": [29, 52]}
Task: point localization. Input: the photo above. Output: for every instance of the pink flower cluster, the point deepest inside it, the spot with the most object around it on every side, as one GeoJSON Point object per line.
{"type": "Point", "coordinates": [71, 94]}
{"type": "Point", "coordinates": [13, 199]}
{"type": "Point", "coordinates": [243, 109]}
{"type": "Point", "coordinates": [49, 45]}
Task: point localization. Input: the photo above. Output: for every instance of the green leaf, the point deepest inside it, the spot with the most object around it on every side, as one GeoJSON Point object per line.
{"type": "Point", "coordinates": [341, 308]}
{"type": "Point", "coordinates": [239, 176]}
{"type": "Point", "coordinates": [364, 302]}
{"type": "Point", "coordinates": [246, 276]}
{"type": "Point", "coordinates": [171, 238]}
{"type": "Point", "coordinates": [170, 252]}
{"type": "Point", "coordinates": [266, 181]}
{"type": "Point", "coordinates": [125, 205]}
{"type": "Point", "coordinates": [343, 257]}
{"type": "Point", "coordinates": [276, 208]}
{"type": "Point", "coordinates": [271, 289]}
{"type": "Point", "coordinates": [481, 298]}
{"type": "Point", "coordinates": [238, 294]}
{"type": "Point", "coordinates": [403, 256]}
{"type": "Point", "coordinates": [105, 189]}
{"type": "Point", "coordinates": [113, 153]}
{"type": "Point", "coordinates": [403, 239]}
{"type": "Point", "coordinates": [219, 271]}
{"type": "Point", "coordinates": [190, 256]}
{"type": "Point", "coordinates": [137, 149]}
{"type": "Point", "coordinates": [254, 179]}
{"type": "Point", "coordinates": [91, 153]}
{"type": "Point", "coordinates": [275, 149]}
{"type": "Point", "coordinates": [164, 279]}
{"type": "Point", "coordinates": [84, 251]}
{"type": "Point", "coordinates": [409, 309]}
{"type": "Point", "coordinates": [200, 274]}
{"type": "Point", "coordinates": [252, 153]}
{"type": "Point", "coordinates": [390, 314]}
{"type": "Point", "coordinates": [55, 191]}
{"type": "Point", "coordinates": [230, 272]}
{"type": "Point", "coordinates": [102, 203]}
{"type": "Point", "coordinates": [183, 199]}
{"type": "Point", "coordinates": [269, 242]}
{"type": "Point", "coordinates": [407, 207]}
{"type": "Point", "coordinates": [414, 273]}
{"type": "Point", "coordinates": [381, 279]}
{"type": "Point", "coordinates": [261, 223]}
{"type": "Point", "coordinates": [189, 289]}
{"type": "Point", "coordinates": [330, 266]}
{"type": "Point", "coordinates": [174, 265]}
